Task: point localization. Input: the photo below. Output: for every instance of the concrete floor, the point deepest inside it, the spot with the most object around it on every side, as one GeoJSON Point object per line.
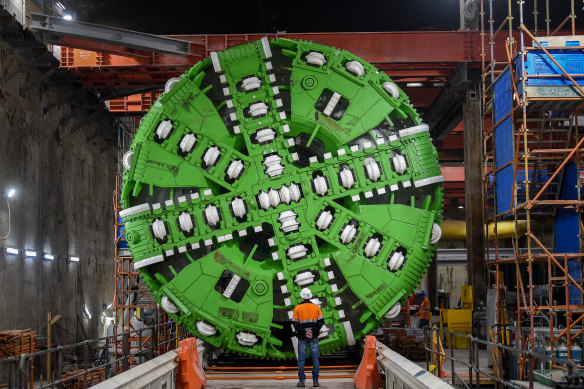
{"type": "Point", "coordinates": [269, 379]}
{"type": "Point", "coordinates": [324, 383]}
{"type": "Point", "coordinates": [291, 380]}
{"type": "Point", "coordinates": [279, 378]}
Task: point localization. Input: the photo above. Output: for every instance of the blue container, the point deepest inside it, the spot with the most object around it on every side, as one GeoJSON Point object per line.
{"type": "Point", "coordinates": [577, 354]}
{"type": "Point", "coordinates": [562, 353]}
{"type": "Point", "coordinates": [538, 350]}
{"type": "Point", "coordinates": [548, 353]}
{"type": "Point", "coordinates": [539, 63]}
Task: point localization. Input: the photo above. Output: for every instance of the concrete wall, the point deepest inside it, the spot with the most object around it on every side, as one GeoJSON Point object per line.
{"type": "Point", "coordinates": [63, 205]}
{"type": "Point", "coordinates": [450, 278]}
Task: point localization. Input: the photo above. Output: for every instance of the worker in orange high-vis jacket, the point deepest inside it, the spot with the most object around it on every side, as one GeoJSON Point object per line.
{"type": "Point", "coordinates": [425, 313]}
{"type": "Point", "coordinates": [307, 321]}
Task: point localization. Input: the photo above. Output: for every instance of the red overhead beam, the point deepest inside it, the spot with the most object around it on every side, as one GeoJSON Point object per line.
{"type": "Point", "coordinates": [375, 47]}
{"type": "Point", "coordinates": [405, 56]}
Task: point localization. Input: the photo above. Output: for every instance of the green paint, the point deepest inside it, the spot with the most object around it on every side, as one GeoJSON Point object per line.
{"type": "Point", "coordinates": [236, 277]}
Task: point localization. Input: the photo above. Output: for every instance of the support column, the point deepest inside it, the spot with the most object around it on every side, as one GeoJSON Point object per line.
{"type": "Point", "coordinates": [475, 245]}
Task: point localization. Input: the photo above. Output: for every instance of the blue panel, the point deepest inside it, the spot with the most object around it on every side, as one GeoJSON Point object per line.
{"type": "Point", "coordinates": [569, 190]}
{"type": "Point", "coordinates": [574, 271]}
{"type": "Point", "coordinates": [566, 232]}
{"type": "Point", "coordinates": [122, 244]}
{"type": "Point", "coordinates": [502, 96]}
{"type": "Point", "coordinates": [504, 179]}
{"type": "Point", "coordinates": [504, 142]}
{"type": "Point", "coordinates": [566, 228]}
{"type": "Point", "coordinates": [566, 235]}
{"type": "Point", "coordinates": [503, 139]}
{"type": "Point", "coordinates": [538, 63]}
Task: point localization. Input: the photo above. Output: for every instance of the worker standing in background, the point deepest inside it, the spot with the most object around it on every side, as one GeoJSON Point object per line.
{"type": "Point", "coordinates": [424, 312]}
{"type": "Point", "coordinates": [307, 321]}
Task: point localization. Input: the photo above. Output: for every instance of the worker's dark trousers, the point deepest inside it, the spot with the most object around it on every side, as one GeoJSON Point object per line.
{"type": "Point", "coordinates": [313, 344]}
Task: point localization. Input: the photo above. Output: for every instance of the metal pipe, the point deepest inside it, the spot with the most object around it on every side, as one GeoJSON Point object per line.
{"type": "Point", "coordinates": [452, 374]}
{"type": "Point", "coordinates": [474, 366]}
{"type": "Point", "coordinates": [535, 14]}
{"type": "Point", "coordinates": [510, 19]}
{"type": "Point", "coordinates": [426, 337]}
{"type": "Point", "coordinates": [524, 103]}
{"type": "Point", "coordinates": [140, 346]}
{"type": "Point", "coordinates": [23, 14]}
{"type": "Point", "coordinates": [573, 16]}
{"type": "Point", "coordinates": [547, 16]}
{"type": "Point", "coordinates": [561, 25]}
{"type": "Point", "coordinates": [456, 229]}
{"type": "Point", "coordinates": [470, 362]}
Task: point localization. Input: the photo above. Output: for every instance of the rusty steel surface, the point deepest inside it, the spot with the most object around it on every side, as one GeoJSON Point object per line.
{"type": "Point", "coordinates": [417, 56]}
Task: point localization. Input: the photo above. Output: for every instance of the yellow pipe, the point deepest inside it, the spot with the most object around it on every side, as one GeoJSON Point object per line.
{"type": "Point", "coordinates": [456, 229]}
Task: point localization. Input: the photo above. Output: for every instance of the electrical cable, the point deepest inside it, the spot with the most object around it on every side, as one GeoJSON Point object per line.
{"type": "Point", "coordinates": [75, 337]}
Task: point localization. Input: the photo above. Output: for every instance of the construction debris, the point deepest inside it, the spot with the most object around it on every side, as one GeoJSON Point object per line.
{"type": "Point", "coordinates": [13, 343]}
{"type": "Point", "coordinates": [93, 378]}
{"type": "Point", "coordinates": [404, 341]}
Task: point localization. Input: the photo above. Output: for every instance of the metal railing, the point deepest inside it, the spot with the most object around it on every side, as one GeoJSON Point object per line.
{"type": "Point", "coordinates": [475, 371]}
{"type": "Point", "coordinates": [138, 345]}
{"type": "Point", "coordinates": [158, 373]}
{"type": "Point", "coordinates": [402, 373]}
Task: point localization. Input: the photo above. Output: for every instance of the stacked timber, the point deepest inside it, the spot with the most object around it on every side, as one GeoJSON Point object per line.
{"type": "Point", "coordinates": [13, 343]}
{"type": "Point", "coordinates": [93, 378]}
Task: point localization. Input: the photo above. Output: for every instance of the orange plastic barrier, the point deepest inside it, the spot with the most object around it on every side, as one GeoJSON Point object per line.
{"type": "Point", "coordinates": [367, 375]}
{"type": "Point", "coordinates": [190, 372]}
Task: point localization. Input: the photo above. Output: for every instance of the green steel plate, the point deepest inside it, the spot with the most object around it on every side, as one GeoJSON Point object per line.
{"type": "Point", "coordinates": [274, 166]}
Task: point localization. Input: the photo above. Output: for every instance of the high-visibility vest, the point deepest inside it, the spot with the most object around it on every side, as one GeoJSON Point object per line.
{"type": "Point", "coordinates": [424, 311]}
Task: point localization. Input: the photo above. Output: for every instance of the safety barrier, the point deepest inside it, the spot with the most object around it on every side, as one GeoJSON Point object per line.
{"type": "Point", "coordinates": [157, 373]}
{"type": "Point", "coordinates": [93, 359]}
{"type": "Point", "coordinates": [401, 373]}
{"type": "Point", "coordinates": [182, 368]}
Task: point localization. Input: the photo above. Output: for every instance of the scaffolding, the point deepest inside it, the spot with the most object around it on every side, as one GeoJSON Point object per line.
{"type": "Point", "coordinates": [134, 306]}
{"type": "Point", "coordinates": [532, 150]}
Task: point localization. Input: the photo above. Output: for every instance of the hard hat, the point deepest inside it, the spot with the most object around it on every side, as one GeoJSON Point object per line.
{"type": "Point", "coordinates": [422, 293]}
{"type": "Point", "coordinates": [306, 294]}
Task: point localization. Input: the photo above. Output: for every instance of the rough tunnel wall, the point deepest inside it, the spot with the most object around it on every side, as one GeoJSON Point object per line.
{"type": "Point", "coordinates": [63, 205]}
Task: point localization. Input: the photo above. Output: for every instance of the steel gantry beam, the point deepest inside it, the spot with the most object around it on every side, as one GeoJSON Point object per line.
{"type": "Point", "coordinates": [377, 47]}
{"type": "Point", "coordinates": [53, 28]}
{"type": "Point", "coordinates": [427, 57]}
{"type": "Point", "coordinates": [445, 111]}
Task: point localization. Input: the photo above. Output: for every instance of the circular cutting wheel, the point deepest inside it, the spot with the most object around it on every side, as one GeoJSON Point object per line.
{"type": "Point", "coordinates": [268, 168]}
